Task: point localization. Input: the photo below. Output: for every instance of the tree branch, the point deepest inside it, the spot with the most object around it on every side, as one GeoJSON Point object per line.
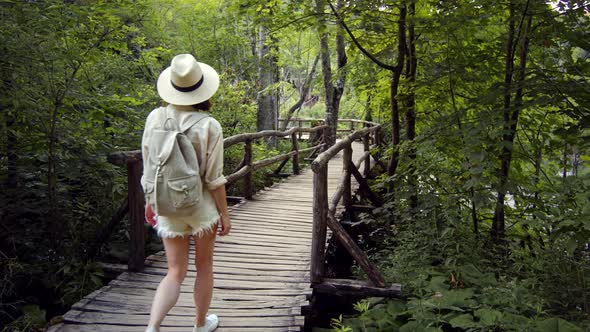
{"type": "Point", "coordinates": [524, 14]}
{"type": "Point", "coordinates": [356, 42]}
{"type": "Point", "coordinates": [295, 20]}
{"type": "Point", "coordinates": [303, 93]}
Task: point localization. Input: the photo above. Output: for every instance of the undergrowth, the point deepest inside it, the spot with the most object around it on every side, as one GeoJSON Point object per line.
{"type": "Point", "coordinates": [454, 281]}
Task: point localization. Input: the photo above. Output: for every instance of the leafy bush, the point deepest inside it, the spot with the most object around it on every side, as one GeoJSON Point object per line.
{"type": "Point", "coordinates": [33, 319]}
{"type": "Point", "coordinates": [454, 282]}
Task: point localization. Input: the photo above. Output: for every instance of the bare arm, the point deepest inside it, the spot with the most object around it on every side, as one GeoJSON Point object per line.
{"type": "Point", "coordinates": [219, 196]}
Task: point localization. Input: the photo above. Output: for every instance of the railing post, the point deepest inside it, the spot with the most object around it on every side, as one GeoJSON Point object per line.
{"type": "Point", "coordinates": [248, 162]}
{"type": "Point", "coordinates": [295, 147]}
{"type": "Point", "coordinates": [367, 147]}
{"type": "Point", "coordinates": [346, 161]}
{"type": "Point", "coordinates": [351, 126]}
{"type": "Point", "coordinates": [137, 232]}
{"type": "Point", "coordinates": [299, 124]}
{"type": "Point", "coordinates": [320, 220]}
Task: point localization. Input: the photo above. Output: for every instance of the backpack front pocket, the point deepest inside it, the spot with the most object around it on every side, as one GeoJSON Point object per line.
{"type": "Point", "coordinates": [184, 191]}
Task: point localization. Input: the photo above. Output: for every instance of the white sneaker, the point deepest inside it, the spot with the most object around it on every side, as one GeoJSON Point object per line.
{"type": "Point", "coordinates": [211, 323]}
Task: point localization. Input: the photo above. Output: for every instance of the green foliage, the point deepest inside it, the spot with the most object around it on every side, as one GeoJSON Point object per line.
{"type": "Point", "coordinates": [467, 299]}
{"type": "Point", "coordinates": [33, 319]}
{"type": "Point", "coordinates": [339, 326]}
{"type": "Point", "coordinates": [71, 94]}
{"type": "Point", "coordinates": [452, 280]}
{"type": "Point", "coordinates": [456, 171]}
{"type": "Point", "coordinates": [232, 107]}
{"type": "Point", "coordinates": [77, 84]}
{"type": "Point", "coordinates": [78, 279]}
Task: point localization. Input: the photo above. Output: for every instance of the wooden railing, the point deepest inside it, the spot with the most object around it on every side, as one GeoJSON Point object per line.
{"type": "Point", "coordinates": [301, 123]}
{"type": "Point", "coordinates": [349, 127]}
{"type": "Point", "coordinates": [134, 203]}
{"type": "Point", "coordinates": [247, 166]}
{"type": "Point", "coordinates": [324, 211]}
{"type": "Point", "coordinates": [324, 208]}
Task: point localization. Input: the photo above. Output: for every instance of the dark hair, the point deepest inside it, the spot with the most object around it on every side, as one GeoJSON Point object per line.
{"type": "Point", "coordinates": [203, 106]}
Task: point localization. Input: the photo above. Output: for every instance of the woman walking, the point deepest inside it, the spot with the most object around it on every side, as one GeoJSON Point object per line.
{"type": "Point", "coordinates": [187, 86]}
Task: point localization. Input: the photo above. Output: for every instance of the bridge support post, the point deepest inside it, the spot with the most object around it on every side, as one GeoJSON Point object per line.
{"type": "Point", "coordinates": [346, 182]}
{"type": "Point", "coordinates": [366, 143]}
{"type": "Point", "coordinates": [137, 232]}
{"type": "Point", "coordinates": [295, 147]}
{"type": "Point", "coordinates": [248, 162]}
{"type": "Point", "coordinates": [320, 221]}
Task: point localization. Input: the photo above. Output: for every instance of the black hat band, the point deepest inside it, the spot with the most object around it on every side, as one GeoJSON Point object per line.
{"type": "Point", "coordinates": [188, 88]}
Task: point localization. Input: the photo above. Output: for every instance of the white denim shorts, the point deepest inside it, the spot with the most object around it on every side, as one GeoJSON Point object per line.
{"type": "Point", "coordinates": [204, 219]}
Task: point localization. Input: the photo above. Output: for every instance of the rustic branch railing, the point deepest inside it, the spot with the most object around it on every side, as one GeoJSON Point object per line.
{"type": "Point", "coordinates": [351, 123]}
{"type": "Point", "coordinates": [301, 123]}
{"type": "Point", "coordinates": [247, 167]}
{"type": "Point", "coordinates": [133, 161]}
{"type": "Point", "coordinates": [324, 209]}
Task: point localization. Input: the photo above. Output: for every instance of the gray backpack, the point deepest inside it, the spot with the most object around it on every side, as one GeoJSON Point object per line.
{"type": "Point", "coordinates": [171, 181]}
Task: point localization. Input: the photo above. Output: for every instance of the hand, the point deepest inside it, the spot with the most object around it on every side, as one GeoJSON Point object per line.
{"type": "Point", "coordinates": [150, 215]}
{"type": "Point", "coordinates": [225, 224]}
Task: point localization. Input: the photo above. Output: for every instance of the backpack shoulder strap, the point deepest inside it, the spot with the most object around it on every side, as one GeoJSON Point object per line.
{"type": "Point", "coordinates": [164, 136]}
{"type": "Point", "coordinates": [168, 119]}
{"type": "Point", "coordinates": [193, 121]}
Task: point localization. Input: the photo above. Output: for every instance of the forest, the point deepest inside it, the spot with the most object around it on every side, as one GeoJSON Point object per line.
{"type": "Point", "coordinates": [485, 107]}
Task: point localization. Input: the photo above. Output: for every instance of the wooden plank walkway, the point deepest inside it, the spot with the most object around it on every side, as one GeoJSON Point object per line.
{"type": "Point", "coordinates": [261, 270]}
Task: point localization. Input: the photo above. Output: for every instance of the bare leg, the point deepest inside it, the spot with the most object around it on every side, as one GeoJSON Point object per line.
{"type": "Point", "coordinates": [169, 288]}
{"type": "Point", "coordinates": [203, 289]}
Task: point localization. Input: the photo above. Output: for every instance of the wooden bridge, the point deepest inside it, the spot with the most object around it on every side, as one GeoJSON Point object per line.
{"type": "Point", "coordinates": [268, 267]}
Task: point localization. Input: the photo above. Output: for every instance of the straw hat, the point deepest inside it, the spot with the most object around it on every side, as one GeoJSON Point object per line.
{"type": "Point", "coordinates": [187, 82]}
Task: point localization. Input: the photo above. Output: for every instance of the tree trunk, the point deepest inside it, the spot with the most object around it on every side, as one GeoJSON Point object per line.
{"type": "Point", "coordinates": [303, 93]}
{"type": "Point", "coordinates": [340, 80]}
{"type": "Point", "coordinates": [397, 73]}
{"type": "Point", "coordinates": [253, 38]}
{"type": "Point", "coordinates": [510, 116]}
{"type": "Point", "coordinates": [498, 224]}
{"type": "Point", "coordinates": [266, 116]}
{"type": "Point", "coordinates": [333, 93]}
{"type": "Point", "coordinates": [410, 104]}
{"type": "Point", "coordinates": [329, 139]}
{"type": "Point", "coordinates": [368, 114]}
